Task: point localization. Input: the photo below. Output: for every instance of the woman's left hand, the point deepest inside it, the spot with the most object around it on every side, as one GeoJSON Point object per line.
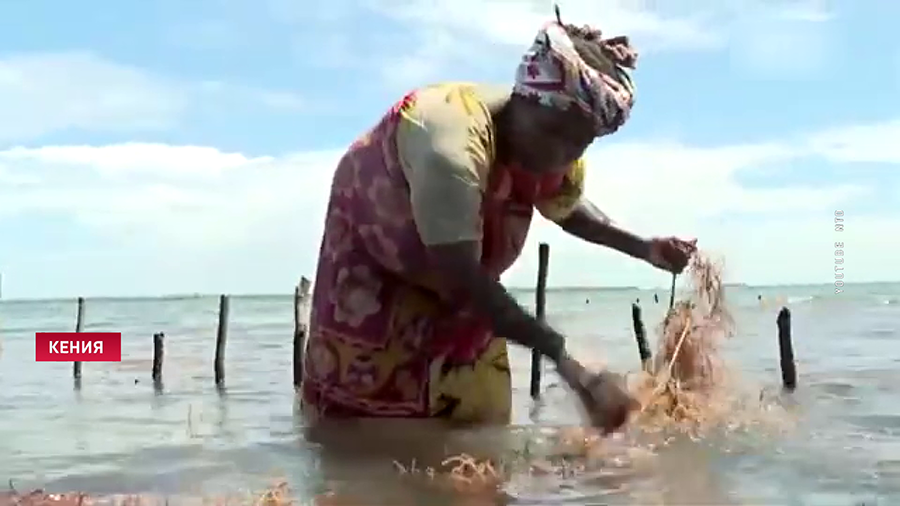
{"type": "Point", "coordinates": [603, 395]}
{"type": "Point", "coordinates": [670, 253]}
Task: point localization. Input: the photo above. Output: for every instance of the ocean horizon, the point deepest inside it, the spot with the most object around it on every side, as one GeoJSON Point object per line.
{"type": "Point", "coordinates": [516, 289]}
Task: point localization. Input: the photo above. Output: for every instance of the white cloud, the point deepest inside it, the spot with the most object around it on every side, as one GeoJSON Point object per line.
{"type": "Point", "coordinates": [185, 194]}
{"type": "Point", "coordinates": [513, 23]}
{"type": "Point", "coordinates": [672, 189]}
{"type": "Point", "coordinates": [43, 93]}
{"type": "Point", "coordinates": [807, 244]}
{"type": "Point", "coordinates": [123, 160]}
{"type": "Point", "coordinates": [445, 34]}
{"type": "Point", "coordinates": [7, 178]}
{"type": "Point", "coordinates": [413, 41]}
{"type": "Point", "coordinates": [409, 42]}
{"type": "Point", "coordinates": [189, 218]}
{"type": "Point", "coordinates": [47, 92]}
{"type": "Point", "coordinates": [782, 40]}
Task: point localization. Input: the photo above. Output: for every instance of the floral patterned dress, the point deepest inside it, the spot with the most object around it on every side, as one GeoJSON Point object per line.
{"type": "Point", "coordinates": [384, 339]}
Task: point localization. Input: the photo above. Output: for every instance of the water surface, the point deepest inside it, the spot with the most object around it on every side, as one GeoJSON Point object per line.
{"type": "Point", "coordinates": [117, 435]}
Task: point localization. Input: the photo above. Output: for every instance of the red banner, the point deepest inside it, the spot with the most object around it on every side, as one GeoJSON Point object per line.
{"type": "Point", "coordinates": [78, 346]}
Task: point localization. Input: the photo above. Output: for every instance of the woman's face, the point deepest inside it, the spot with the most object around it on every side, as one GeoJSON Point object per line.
{"type": "Point", "coordinates": [543, 139]}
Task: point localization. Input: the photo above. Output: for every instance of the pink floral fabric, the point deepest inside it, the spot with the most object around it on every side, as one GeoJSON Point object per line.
{"type": "Point", "coordinates": [381, 329]}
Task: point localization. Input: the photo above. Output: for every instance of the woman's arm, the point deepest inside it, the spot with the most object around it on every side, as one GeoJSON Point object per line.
{"type": "Point", "coordinates": [445, 156]}
{"type": "Point", "coordinates": [572, 211]}
{"type": "Point", "coordinates": [588, 222]}
{"type": "Point", "coordinates": [465, 277]}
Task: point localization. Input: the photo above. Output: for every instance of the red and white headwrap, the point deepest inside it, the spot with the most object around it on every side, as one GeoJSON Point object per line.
{"type": "Point", "coordinates": [553, 72]}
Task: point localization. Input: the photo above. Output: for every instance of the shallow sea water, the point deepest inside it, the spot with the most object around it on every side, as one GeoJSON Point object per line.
{"type": "Point", "coordinates": [116, 435]}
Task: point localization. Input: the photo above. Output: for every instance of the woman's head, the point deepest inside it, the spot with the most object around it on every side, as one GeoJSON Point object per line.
{"type": "Point", "coordinates": [571, 87]}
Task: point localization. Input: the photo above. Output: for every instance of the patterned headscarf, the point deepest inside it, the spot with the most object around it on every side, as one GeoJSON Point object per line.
{"type": "Point", "coordinates": [553, 72]}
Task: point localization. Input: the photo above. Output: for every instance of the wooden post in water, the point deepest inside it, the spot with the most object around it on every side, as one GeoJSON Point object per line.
{"type": "Point", "coordinates": [540, 300]}
{"type": "Point", "coordinates": [158, 351]}
{"type": "Point", "coordinates": [672, 291]}
{"type": "Point", "coordinates": [640, 335]}
{"type": "Point", "coordinates": [221, 335]}
{"type": "Point", "coordinates": [79, 327]}
{"type": "Point", "coordinates": [786, 350]}
{"type": "Point", "coordinates": [301, 300]}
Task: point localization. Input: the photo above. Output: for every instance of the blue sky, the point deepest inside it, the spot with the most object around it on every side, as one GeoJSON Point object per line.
{"type": "Point", "coordinates": [178, 147]}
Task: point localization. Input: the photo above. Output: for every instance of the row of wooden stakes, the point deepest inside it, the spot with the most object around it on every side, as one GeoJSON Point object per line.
{"type": "Point", "coordinates": [783, 323]}
{"type": "Point", "coordinates": [301, 302]}
{"type": "Point", "coordinates": [785, 344]}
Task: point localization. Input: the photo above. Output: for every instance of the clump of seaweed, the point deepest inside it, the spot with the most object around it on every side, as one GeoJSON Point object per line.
{"type": "Point", "coordinates": [684, 385]}
{"type": "Point", "coordinates": [461, 473]}
{"type": "Point", "coordinates": [275, 495]}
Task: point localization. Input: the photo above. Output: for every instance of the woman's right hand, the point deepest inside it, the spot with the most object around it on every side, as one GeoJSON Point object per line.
{"type": "Point", "coordinates": [603, 395]}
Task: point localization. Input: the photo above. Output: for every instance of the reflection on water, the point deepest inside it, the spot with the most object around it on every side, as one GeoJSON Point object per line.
{"type": "Point", "coordinates": [117, 435]}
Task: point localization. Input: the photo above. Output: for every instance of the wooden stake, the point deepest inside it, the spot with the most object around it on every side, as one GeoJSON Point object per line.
{"type": "Point", "coordinates": [221, 335]}
{"type": "Point", "coordinates": [540, 300]}
{"type": "Point", "coordinates": [786, 350]}
{"type": "Point", "coordinates": [301, 299]}
{"type": "Point", "coordinates": [672, 291]}
{"type": "Point", "coordinates": [640, 335]}
{"type": "Point", "coordinates": [79, 327]}
{"type": "Point", "coordinates": [158, 353]}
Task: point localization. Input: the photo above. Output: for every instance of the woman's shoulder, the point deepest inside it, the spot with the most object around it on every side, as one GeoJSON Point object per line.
{"type": "Point", "coordinates": [461, 100]}
{"type": "Point", "coordinates": [449, 124]}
